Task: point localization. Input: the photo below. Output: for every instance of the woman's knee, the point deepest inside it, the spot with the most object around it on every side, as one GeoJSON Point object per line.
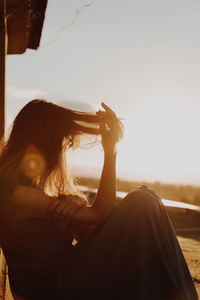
{"type": "Point", "coordinates": [141, 197]}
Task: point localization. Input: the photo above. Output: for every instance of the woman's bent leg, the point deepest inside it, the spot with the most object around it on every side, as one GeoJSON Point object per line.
{"type": "Point", "coordinates": [134, 255]}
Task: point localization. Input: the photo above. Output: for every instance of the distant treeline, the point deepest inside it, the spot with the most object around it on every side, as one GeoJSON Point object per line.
{"type": "Point", "coordinates": [183, 193]}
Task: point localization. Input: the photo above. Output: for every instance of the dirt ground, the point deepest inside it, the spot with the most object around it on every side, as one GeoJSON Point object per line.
{"type": "Point", "coordinates": [190, 244]}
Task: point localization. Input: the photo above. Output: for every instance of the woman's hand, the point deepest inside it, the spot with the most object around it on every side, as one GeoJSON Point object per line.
{"type": "Point", "coordinates": [110, 126]}
{"type": "Point", "coordinates": [63, 208]}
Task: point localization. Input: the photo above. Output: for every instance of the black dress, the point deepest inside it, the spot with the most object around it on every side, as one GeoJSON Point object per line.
{"type": "Point", "coordinates": [133, 255]}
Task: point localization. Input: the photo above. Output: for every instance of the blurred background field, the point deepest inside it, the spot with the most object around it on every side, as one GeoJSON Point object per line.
{"type": "Point", "coordinates": [183, 193]}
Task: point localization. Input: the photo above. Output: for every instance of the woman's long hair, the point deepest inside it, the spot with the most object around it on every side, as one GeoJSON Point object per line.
{"type": "Point", "coordinates": [52, 129]}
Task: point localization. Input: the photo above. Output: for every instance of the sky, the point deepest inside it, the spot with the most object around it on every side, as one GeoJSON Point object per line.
{"type": "Point", "coordinates": [141, 57]}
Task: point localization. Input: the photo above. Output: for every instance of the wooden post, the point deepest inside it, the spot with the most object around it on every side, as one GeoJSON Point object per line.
{"type": "Point", "coordinates": [3, 52]}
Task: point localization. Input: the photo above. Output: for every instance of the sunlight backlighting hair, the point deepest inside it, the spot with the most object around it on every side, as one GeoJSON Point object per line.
{"type": "Point", "coordinates": [52, 129]}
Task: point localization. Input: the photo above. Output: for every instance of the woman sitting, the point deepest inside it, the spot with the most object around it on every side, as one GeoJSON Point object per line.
{"type": "Point", "coordinates": [124, 251]}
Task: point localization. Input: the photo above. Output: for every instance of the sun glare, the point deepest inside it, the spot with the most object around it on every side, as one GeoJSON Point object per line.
{"type": "Point", "coordinates": [160, 142]}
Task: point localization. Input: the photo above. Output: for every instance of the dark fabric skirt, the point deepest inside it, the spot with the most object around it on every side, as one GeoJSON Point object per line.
{"type": "Point", "coordinates": [134, 255]}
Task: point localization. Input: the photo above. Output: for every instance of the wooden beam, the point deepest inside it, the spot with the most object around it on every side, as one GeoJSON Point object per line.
{"type": "Point", "coordinates": [3, 52]}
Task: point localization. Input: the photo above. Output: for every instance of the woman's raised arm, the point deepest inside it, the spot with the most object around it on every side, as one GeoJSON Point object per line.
{"type": "Point", "coordinates": [103, 206]}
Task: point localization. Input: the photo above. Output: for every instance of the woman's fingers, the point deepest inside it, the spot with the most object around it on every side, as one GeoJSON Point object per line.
{"type": "Point", "coordinates": [108, 109]}
{"type": "Point", "coordinates": [64, 214]}
{"type": "Point", "coordinates": [68, 214]}
{"type": "Point", "coordinates": [111, 128]}
{"type": "Point", "coordinates": [108, 113]}
{"type": "Point", "coordinates": [64, 208]}
{"type": "Point", "coordinates": [55, 203]}
{"type": "Point", "coordinates": [110, 120]}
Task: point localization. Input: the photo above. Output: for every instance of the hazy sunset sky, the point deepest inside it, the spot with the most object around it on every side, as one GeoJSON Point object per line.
{"type": "Point", "coordinates": [140, 57]}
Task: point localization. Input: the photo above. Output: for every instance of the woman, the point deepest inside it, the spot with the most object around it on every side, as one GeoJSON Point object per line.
{"type": "Point", "coordinates": [124, 251]}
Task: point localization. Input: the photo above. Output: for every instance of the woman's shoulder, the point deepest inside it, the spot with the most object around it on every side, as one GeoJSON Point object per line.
{"type": "Point", "coordinates": [31, 200]}
{"type": "Point", "coordinates": [26, 202]}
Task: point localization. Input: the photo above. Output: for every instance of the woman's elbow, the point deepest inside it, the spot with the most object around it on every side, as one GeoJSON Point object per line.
{"type": "Point", "coordinates": [101, 216]}
{"type": "Point", "coordinates": [92, 215]}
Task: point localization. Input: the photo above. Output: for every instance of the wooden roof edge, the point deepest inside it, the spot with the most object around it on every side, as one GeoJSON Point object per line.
{"type": "Point", "coordinates": [24, 23]}
{"type": "Point", "coordinates": [39, 9]}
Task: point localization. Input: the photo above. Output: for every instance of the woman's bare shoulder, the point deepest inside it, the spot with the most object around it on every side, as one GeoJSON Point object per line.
{"type": "Point", "coordinates": [28, 201]}
{"type": "Point", "coordinates": [22, 191]}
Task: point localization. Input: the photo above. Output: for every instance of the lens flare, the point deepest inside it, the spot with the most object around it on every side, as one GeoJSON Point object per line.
{"type": "Point", "coordinates": [33, 164]}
